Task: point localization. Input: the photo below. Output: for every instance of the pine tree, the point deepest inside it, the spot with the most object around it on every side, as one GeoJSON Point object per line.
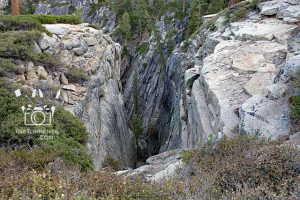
{"type": "Point", "coordinates": [125, 25]}
{"type": "Point", "coordinates": [141, 14]}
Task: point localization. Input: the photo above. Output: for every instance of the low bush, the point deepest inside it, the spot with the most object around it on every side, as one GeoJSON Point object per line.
{"type": "Point", "coordinates": [76, 75]}
{"type": "Point", "coordinates": [295, 106]}
{"type": "Point", "coordinates": [143, 48]}
{"type": "Point", "coordinates": [68, 143]}
{"type": "Point", "coordinates": [20, 45]}
{"type": "Point", "coordinates": [243, 164]}
{"type": "Point", "coordinates": [6, 66]}
{"type": "Point", "coordinates": [34, 22]}
{"type": "Point", "coordinates": [111, 163]}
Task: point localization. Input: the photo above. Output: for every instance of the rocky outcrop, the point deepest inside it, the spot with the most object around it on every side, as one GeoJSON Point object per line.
{"type": "Point", "coordinates": [3, 5]}
{"type": "Point", "coordinates": [242, 79]}
{"type": "Point", "coordinates": [89, 78]}
{"type": "Point", "coordinates": [160, 167]}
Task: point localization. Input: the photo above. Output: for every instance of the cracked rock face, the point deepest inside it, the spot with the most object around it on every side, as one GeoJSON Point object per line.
{"type": "Point", "coordinates": [243, 79]}
{"type": "Point", "coordinates": [98, 101]}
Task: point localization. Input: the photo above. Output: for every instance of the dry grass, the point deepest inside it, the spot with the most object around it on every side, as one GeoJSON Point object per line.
{"type": "Point", "coordinates": [237, 168]}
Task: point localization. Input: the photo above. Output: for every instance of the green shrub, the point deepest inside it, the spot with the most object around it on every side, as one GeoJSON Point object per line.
{"type": "Point", "coordinates": [70, 125]}
{"type": "Point", "coordinates": [14, 23]}
{"type": "Point", "coordinates": [238, 14]}
{"type": "Point", "coordinates": [295, 106]}
{"type": "Point", "coordinates": [76, 75]}
{"type": "Point", "coordinates": [68, 143]}
{"type": "Point", "coordinates": [295, 109]}
{"type": "Point", "coordinates": [37, 158]}
{"type": "Point", "coordinates": [6, 66]}
{"type": "Point", "coordinates": [143, 48]}
{"type": "Point", "coordinates": [34, 22]}
{"type": "Point", "coordinates": [136, 124]}
{"type": "Point", "coordinates": [112, 163]}
{"type": "Point", "coordinates": [186, 156]}
{"type": "Point", "coordinates": [71, 151]}
{"type": "Point", "coordinates": [20, 45]}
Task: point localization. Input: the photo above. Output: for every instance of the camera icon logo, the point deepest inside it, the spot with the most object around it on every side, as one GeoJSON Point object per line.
{"type": "Point", "coordinates": [38, 115]}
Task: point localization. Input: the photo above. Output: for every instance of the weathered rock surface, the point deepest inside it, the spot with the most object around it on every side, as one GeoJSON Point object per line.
{"type": "Point", "coordinates": [97, 101]}
{"type": "Point", "coordinates": [243, 78]}
{"type": "Point", "coordinates": [160, 167]}
{"type": "Point", "coordinates": [3, 4]}
{"type": "Point", "coordinates": [269, 7]}
{"type": "Point", "coordinates": [289, 11]}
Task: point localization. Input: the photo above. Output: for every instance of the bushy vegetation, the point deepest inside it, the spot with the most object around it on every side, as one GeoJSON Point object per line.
{"type": "Point", "coordinates": [295, 106]}
{"type": "Point", "coordinates": [68, 143]}
{"type": "Point", "coordinates": [34, 22]}
{"type": "Point", "coordinates": [6, 66]}
{"type": "Point", "coordinates": [143, 48]}
{"type": "Point", "coordinates": [20, 45]}
{"type": "Point", "coordinates": [111, 163]}
{"type": "Point", "coordinates": [76, 75]}
{"type": "Point", "coordinates": [243, 167]}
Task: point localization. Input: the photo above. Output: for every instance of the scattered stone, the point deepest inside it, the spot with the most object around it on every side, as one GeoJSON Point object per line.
{"type": "Point", "coordinates": [69, 87]}
{"type": "Point", "coordinates": [63, 79]}
{"type": "Point", "coordinates": [31, 75]}
{"type": "Point", "coordinates": [42, 73]}
{"type": "Point", "coordinates": [289, 12]}
{"type": "Point", "coordinates": [46, 41]}
{"type": "Point", "coordinates": [269, 8]}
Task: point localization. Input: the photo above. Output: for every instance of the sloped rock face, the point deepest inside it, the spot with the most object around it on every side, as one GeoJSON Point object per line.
{"type": "Point", "coordinates": [97, 101]}
{"type": "Point", "coordinates": [243, 80]}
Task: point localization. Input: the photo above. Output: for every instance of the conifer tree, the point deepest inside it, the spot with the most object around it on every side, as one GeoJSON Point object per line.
{"type": "Point", "coordinates": [125, 25]}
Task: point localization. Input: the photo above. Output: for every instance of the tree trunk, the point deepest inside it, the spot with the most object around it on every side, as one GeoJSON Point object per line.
{"type": "Point", "coordinates": [15, 7]}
